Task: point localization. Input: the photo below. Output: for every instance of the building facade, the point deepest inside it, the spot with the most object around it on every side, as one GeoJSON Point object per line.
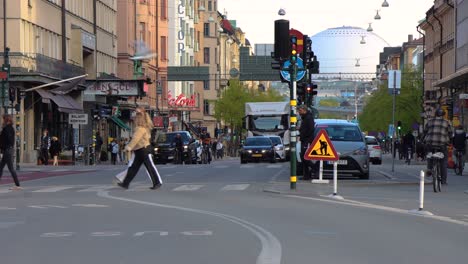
{"type": "Point", "coordinates": [48, 41]}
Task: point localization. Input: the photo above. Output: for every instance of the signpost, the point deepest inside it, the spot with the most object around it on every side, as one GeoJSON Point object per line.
{"type": "Point", "coordinates": [394, 83]}
{"type": "Point", "coordinates": [76, 120]}
{"type": "Point", "coordinates": [300, 73]}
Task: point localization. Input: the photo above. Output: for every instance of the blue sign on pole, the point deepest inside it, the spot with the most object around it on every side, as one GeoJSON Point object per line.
{"type": "Point", "coordinates": [300, 73]}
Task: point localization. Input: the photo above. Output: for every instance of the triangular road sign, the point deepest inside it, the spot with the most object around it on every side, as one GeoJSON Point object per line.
{"type": "Point", "coordinates": [321, 148]}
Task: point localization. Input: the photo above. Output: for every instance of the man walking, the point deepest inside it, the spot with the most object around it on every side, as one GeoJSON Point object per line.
{"type": "Point", "coordinates": [306, 134]}
{"type": "Point", "coordinates": [438, 133]}
{"type": "Point", "coordinates": [45, 146]}
{"type": "Point", "coordinates": [7, 141]}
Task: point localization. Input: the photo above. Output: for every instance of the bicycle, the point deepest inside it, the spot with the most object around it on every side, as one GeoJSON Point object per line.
{"type": "Point", "coordinates": [435, 157]}
{"type": "Point", "coordinates": [459, 162]}
{"type": "Point", "coordinates": [205, 155]}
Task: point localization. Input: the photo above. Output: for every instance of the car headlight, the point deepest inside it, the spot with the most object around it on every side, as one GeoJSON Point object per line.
{"type": "Point", "coordinates": [278, 148]}
{"type": "Point", "coordinates": [185, 147]}
{"type": "Point", "coordinates": [360, 151]}
{"type": "Point", "coordinates": [264, 151]}
{"type": "Point", "coordinates": [286, 148]}
{"type": "Point", "coordinates": [155, 149]}
{"type": "Point", "coordinates": [249, 151]}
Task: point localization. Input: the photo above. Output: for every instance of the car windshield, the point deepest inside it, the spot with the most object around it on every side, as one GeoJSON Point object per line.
{"type": "Point", "coordinates": [169, 138]}
{"type": "Point", "coordinates": [341, 132]}
{"type": "Point", "coordinates": [258, 142]}
{"type": "Point", "coordinates": [371, 141]}
{"type": "Point", "coordinates": [275, 140]}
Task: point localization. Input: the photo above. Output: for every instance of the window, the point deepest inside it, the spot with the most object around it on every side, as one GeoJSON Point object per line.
{"type": "Point", "coordinates": [210, 5]}
{"type": "Point", "coordinates": [206, 29]}
{"type": "Point", "coordinates": [206, 85]}
{"type": "Point", "coordinates": [164, 9]}
{"type": "Point", "coordinates": [163, 48]}
{"type": "Point", "coordinates": [206, 107]}
{"type": "Point", "coordinates": [142, 31]}
{"type": "Point", "coordinates": [206, 55]}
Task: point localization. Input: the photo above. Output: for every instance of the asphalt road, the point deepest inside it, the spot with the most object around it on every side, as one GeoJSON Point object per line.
{"type": "Point", "coordinates": [226, 212]}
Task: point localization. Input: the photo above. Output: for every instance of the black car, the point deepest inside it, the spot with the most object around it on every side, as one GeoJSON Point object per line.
{"type": "Point", "coordinates": [258, 148]}
{"type": "Point", "coordinates": [164, 147]}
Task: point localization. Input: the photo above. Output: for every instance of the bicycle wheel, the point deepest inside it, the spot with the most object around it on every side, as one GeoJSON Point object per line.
{"type": "Point", "coordinates": [457, 166]}
{"type": "Point", "coordinates": [460, 164]}
{"type": "Point", "coordinates": [435, 175]}
{"type": "Point", "coordinates": [439, 175]}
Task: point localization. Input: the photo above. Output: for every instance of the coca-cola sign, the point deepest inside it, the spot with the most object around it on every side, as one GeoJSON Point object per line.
{"type": "Point", "coordinates": [181, 100]}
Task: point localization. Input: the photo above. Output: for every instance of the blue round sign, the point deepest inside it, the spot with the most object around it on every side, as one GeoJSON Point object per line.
{"type": "Point", "coordinates": [300, 73]}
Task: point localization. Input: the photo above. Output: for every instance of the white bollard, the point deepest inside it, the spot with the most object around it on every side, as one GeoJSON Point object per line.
{"type": "Point", "coordinates": [421, 211]}
{"type": "Point", "coordinates": [320, 180]}
{"type": "Point", "coordinates": [335, 182]}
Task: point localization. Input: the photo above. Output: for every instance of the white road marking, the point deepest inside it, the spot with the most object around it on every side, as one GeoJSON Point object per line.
{"type": "Point", "coordinates": [97, 188]}
{"type": "Point", "coordinates": [58, 234]}
{"type": "Point", "coordinates": [161, 233]}
{"type": "Point", "coordinates": [221, 167]}
{"type": "Point", "coordinates": [246, 166]}
{"type": "Point", "coordinates": [235, 187]}
{"type": "Point", "coordinates": [53, 189]}
{"type": "Point", "coordinates": [46, 206]}
{"type": "Point", "coordinates": [7, 208]}
{"type": "Point", "coordinates": [106, 234]}
{"type": "Point", "coordinates": [270, 246]}
{"type": "Point", "coordinates": [5, 191]}
{"type": "Point", "coordinates": [197, 233]}
{"type": "Point", "coordinates": [275, 166]}
{"type": "Point", "coordinates": [188, 187]}
{"type": "Point", "coordinates": [90, 205]}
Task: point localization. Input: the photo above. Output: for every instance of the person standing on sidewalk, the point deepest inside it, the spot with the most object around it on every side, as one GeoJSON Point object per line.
{"type": "Point", "coordinates": [55, 149]}
{"type": "Point", "coordinates": [140, 145]}
{"type": "Point", "coordinates": [45, 147]}
{"type": "Point", "coordinates": [306, 134]}
{"type": "Point", "coordinates": [114, 148]}
{"type": "Point", "coordinates": [7, 142]}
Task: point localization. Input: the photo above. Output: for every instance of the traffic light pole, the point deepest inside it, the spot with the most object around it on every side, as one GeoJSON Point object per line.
{"type": "Point", "coordinates": [393, 122]}
{"type": "Point", "coordinates": [293, 120]}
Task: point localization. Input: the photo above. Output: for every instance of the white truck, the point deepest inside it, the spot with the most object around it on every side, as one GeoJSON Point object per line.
{"type": "Point", "coordinates": [268, 118]}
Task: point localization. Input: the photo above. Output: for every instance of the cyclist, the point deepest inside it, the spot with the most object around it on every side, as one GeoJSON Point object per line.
{"type": "Point", "coordinates": [437, 135]}
{"type": "Point", "coordinates": [179, 149]}
{"type": "Point", "coordinates": [206, 139]}
{"type": "Point", "coordinates": [408, 146]}
{"type": "Point", "coordinates": [459, 141]}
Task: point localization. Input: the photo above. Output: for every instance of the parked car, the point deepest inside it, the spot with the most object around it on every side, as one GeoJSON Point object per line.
{"type": "Point", "coordinates": [280, 152]}
{"type": "Point", "coordinates": [375, 151]}
{"type": "Point", "coordinates": [258, 148]}
{"type": "Point", "coordinates": [350, 145]}
{"type": "Point", "coordinates": [164, 147]}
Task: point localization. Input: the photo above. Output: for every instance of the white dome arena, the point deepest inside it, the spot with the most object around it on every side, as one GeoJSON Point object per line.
{"type": "Point", "coordinates": [339, 50]}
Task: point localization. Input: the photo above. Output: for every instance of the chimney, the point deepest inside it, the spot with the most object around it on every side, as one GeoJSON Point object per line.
{"type": "Point", "coordinates": [410, 38]}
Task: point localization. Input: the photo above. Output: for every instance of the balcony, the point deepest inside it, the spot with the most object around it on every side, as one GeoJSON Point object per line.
{"type": "Point", "coordinates": [40, 64]}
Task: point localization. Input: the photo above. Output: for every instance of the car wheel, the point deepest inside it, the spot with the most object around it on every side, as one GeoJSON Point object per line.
{"type": "Point", "coordinates": [364, 176]}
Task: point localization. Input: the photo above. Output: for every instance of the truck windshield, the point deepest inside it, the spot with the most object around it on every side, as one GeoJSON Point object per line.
{"type": "Point", "coordinates": [267, 123]}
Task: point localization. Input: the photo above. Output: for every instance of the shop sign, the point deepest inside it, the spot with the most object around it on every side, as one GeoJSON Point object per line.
{"type": "Point", "coordinates": [116, 88]}
{"type": "Point", "coordinates": [180, 101]}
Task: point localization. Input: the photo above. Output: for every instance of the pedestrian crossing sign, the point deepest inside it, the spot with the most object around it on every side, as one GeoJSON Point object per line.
{"type": "Point", "coordinates": [321, 148]}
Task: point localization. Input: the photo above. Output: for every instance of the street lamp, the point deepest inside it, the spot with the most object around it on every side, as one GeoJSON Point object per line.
{"type": "Point", "coordinates": [385, 4]}
{"type": "Point", "coordinates": [282, 12]}
{"type": "Point", "coordinates": [370, 29]}
{"type": "Point", "coordinates": [363, 40]}
{"type": "Point", "coordinates": [357, 63]}
{"type": "Point", "coordinates": [377, 16]}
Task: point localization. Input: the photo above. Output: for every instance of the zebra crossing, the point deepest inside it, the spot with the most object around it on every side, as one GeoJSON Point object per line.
{"type": "Point", "coordinates": [135, 188]}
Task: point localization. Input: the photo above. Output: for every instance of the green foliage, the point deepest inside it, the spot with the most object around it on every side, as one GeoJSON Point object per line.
{"type": "Point", "coordinates": [330, 116]}
{"type": "Point", "coordinates": [331, 102]}
{"type": "Point", "coordinates": [377, 113]}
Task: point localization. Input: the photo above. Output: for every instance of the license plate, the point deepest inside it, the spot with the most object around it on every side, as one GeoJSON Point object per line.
{"type": "Point", "coordinates": [170, 157]}
{"type": "Point", "coordinates": [340, 162]}
{"type": "Point", "coordinates": [256, 155]}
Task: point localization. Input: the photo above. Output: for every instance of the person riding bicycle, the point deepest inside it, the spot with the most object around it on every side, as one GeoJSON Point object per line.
{"type": "Point", "coordinates": [206, 139]}
{"type": "Point", "coordinates": [437, 136]}
{"type": "Point", "coordinates": [459, 140]}
{"type": "Point", "coordinates": [179, 147]}
{"type": "Point", "coordinates": [408, 145]}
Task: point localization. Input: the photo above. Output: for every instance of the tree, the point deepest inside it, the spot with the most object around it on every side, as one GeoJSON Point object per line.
{"type": "Point", "coordinates": [377, 113]}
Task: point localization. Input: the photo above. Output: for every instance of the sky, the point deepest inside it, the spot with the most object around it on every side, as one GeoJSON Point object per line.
{"type": "Point", "coordinates": [256, 17]}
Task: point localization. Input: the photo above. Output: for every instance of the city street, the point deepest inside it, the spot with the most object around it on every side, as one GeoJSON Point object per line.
{"type": "Point", "coordinates": [226, 212]}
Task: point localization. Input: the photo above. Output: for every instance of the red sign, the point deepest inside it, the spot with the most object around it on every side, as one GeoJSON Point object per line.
{"type": "Point", "coordinates": [3, 75]}
{"type": "Point", "coordinates": [158, 121]}
{"type": "Point", "coordinates": [180, 101]}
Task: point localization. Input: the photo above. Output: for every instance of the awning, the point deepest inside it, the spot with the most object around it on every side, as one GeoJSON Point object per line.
{"type": "Point", "coordinates": [68, 87]}
{"type": "Point", "coordinates": [454, 78]}
{"type": "Point", "coordinates": [120, 123]}
{"type": "Point", "coordinates": [65, 103]}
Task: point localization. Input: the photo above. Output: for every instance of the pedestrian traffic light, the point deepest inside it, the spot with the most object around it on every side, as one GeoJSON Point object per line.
{"type": "Point", "coordinates": [293, 57]}
{"type": "Point", "coordinates": [399, 125]}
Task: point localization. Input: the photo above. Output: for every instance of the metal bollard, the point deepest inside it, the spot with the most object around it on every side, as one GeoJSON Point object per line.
{"type": "Point", "coordinates": [421, 210]}
{"type": "Point", "coordinates": [335, 182]}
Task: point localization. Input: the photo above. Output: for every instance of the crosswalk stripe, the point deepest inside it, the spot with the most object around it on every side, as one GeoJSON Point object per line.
{"type": "Point", "coordinates": [97, 188]}
{"type": "Point", "coordinates": [275, 166]}
{"type": "Point", "coordinates": [235, 187]}
{"type": "Point", "coordinates": [5, 191]}
{"type": "Point", "coordinates": [221, 167]}
{"type": "Point", "coordinates": [53, 189]}
{"type": "Point", "coordinates": [189, 187]}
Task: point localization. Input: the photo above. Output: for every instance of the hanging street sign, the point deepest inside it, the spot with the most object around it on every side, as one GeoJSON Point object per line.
{"type": "Point", "coordinates": [300, 73]}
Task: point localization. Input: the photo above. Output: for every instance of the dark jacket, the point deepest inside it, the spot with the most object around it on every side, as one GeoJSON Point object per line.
{"type": "Point", "coordinates": [179, 144]}
{"type": "Point", "coordinates": [7, 137]}
{"type": "Point", "coordinates": [459, 140]}
{"type": "Point", "coordinates": [45, 142]}
{"type": "Point", "coordinates": [55, 148]}
{"type": "Point", "coordinates": [307, 129]}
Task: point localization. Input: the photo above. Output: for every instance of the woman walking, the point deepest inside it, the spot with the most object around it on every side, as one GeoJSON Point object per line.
{"type": "Point", "coordinates": [140, 145]}
{"type": "Point", "coordinates": [55, 149]}
{"type": "Point", "coordinates": [7, 141]}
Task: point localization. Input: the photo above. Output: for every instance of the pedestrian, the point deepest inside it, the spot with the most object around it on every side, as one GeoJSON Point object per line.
{"type": "Point", "coordinates": [98, 146]}
{"type": "Point", "coordinates": [114, 147]}
{"type": "Point", "coordinates": [213, 149]}
{"type": "Point", "coordinates": [408, 145]}
{"type": "Point", "coordinates": [306, 134]}
{"type": "Point", "coordinates": [459, 141]}
{"type": "Point", "coordinates": [219, 149]}
{"type": "Point", "coordinates": [45, 146]}
{"type": "Point", "coordinates": [7, 141]}
{"type": "Point", "coordinates": [55, 149]}
{"type": "Point", "coordinates": [179, 149]}
{"type": "Point", "coordinates": [437, 136]}
{"type": "Point", "coordinates": [140, 145]}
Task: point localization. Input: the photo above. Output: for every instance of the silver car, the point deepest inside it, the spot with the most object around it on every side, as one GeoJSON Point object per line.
{"type": "Point", "coordinates": [350, 146]}
{"type": "Point", "coordinates": [279, 147]}
{"type": "Point", "coordinates": [375, 151]}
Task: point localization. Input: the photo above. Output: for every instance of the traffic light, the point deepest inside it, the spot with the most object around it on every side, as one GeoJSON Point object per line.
{"type": "Point", "coordinates": [293, 57]}
{"type": "Point", "coordinates": [307, 53]}
{"type": "Point", "coordinates": [12, 93]}
{"type": "Point", "coordinates": [399, 125]}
